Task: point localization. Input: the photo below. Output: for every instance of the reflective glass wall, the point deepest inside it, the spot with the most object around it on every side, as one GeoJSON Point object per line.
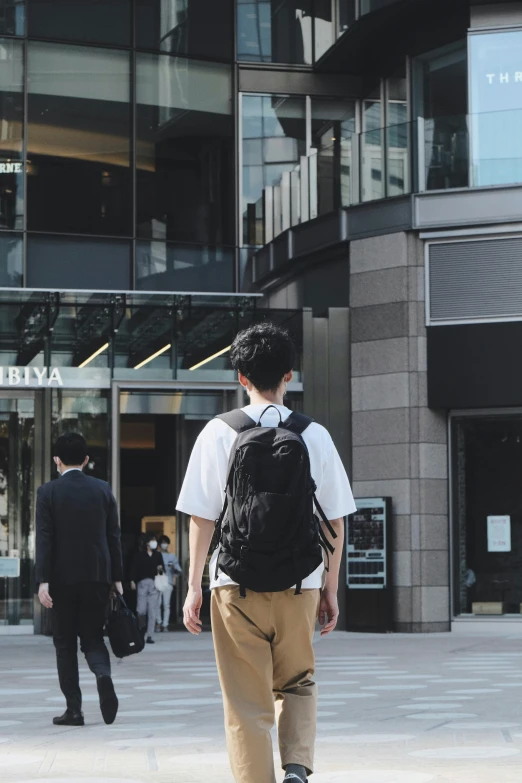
{"type": "Point", "coordinates": [117, 145]}
{"type": "Point", "coordinates": [495, 107]}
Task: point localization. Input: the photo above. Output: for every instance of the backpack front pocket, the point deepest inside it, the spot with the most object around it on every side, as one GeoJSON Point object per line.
{"type": "Point", "coordinates": [268, 518]}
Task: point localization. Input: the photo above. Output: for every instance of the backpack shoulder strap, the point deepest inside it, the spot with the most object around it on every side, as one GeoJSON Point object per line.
{"type": "Point", "coordinates": [297, 422]}
{"type": "Point", "coordinates": [238, 420]}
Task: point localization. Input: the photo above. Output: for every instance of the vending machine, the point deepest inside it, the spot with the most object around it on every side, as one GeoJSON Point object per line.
{"type": "Point", "coordinates": [369, 595]}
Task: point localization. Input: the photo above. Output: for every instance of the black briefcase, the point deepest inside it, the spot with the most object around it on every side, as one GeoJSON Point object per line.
{"type": "Point", "coordinates": [123, 631]}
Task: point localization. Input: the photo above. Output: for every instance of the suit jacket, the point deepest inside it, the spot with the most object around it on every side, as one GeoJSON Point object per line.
{"type": "Point", "coordinates": [77, 531]}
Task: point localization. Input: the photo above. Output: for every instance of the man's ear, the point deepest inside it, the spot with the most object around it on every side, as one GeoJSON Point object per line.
{"type": "Point", "coordinates": [85, 461]}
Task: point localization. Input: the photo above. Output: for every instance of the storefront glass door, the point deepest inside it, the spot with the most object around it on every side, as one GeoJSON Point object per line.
{"type": "Point", "coordinates": [487, 513]}
{"type": "Point", "coordinates": [17, 493]}
{"type": "Point", "coordinates": [155, 429]}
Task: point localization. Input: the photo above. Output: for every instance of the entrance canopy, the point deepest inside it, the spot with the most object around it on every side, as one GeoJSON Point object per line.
{"type": "Point", "coordinates": [82, 339]}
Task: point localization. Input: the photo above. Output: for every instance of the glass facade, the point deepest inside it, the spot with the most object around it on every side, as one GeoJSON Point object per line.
{"type": "Point", "coordinates": [12, 17]}
{"type": "Point", "coordinates": [279, 31]}
{"type": "Point", "coordinates": [65, 361]}
{"type": "Point", "coordinates": [122, 174]}
{"type": "Point", "coordinates": [93, 21]}
{"type": "Point", "coordinates": [79, 136]}
{"type": "Point", "coordinates": [495, 107]}
{"type": "Point", "coordinates": [333, 125]}
{"type": "Point", "coordinates": [440, 108]}
{"type": "Point", "coordinates": [199, 28]}
{"type": "Point", "coordinates": [487, 459]}
{"type": "Point", "coordinates": [185, 150]}
{"type": "Point", "coordinates": [11, 135]}
{"type": "Point", "coordinates": [274, 141]}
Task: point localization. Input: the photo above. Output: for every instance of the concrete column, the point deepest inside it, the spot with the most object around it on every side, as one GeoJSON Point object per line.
{"type": "Point", "coordinates": [399, 444]}
{"type": "Point", "coordinates": [327, 390]}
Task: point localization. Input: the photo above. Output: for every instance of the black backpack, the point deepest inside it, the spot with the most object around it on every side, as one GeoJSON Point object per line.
{"type": "Point", "coordinates": [123, 631]}
{"type": "Point", "coordinates": [267, 534]}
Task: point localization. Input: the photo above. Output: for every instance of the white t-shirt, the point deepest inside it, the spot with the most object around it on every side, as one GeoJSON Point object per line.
{"type": "Point", "coordinates": [202, 493]}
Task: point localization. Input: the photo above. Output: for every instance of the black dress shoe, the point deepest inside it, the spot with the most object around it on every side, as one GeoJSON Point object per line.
{"type": "Point", "coordinates": [108, 698]}
{"type": "Point", "coordinates": [150, 640]}
{"type": "Point", "coordinates": [69, 719]}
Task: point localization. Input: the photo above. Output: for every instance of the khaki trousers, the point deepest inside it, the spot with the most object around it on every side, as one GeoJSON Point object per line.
{"type": "Point", "coordinates": [265, 661]}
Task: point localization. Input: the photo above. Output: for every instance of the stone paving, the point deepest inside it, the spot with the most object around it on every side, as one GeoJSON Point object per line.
{"type": "Point", "coordinates": [393, 709]}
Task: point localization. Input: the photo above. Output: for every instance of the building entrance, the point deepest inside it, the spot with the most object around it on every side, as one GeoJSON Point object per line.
{"type": "Point", "coordinates": [487, 513]}
{"type": "Point", "coordinates": [156, 431]}
{"type": "Point", "coordinates": [19, 468]}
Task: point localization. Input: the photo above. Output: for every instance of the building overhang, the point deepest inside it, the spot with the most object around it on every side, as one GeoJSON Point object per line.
{"type": "Point", "coordinates": [435, 211]}
{"type": "Point", "coordinates": [377, 42]}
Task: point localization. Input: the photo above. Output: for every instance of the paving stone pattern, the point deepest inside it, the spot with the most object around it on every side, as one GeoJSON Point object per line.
{"type": "Point", "coordinates": [393, 709]}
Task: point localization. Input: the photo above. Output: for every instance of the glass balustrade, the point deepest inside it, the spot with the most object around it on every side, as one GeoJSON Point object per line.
{"type": "Point", "coordinates": [441, 153]}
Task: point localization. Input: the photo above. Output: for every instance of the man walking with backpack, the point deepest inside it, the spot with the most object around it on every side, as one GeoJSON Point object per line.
{"type": "Point", "coordinates": [275, 483]}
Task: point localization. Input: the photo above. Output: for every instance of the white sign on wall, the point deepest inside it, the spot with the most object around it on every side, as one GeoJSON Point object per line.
{"type": "Point", "coordinates": [499, 534]}
{"type": "Point", "coordinates": [9, 567]}
{"type": "Point", "coordinates": [30, 376]}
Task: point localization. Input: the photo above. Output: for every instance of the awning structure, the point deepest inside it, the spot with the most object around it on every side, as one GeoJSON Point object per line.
{"type": "Point", "coordinates": [128, 334]}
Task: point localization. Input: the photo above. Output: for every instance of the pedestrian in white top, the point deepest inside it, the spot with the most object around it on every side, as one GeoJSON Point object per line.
{"type": "Point", "coordinates": [173, 570]}
{"type": "Point", "coordinates": [267, 574]}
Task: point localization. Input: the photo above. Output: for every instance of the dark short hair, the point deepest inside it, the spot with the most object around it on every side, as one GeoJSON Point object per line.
{"type": "Point", "coordinates": [149, 537]}
{"type": "Point", "coordinates": [164, 540]}
{"type": "Point", "coordinates": [263, 353]}
{"type": "Point", "coordinates": [71, 448]}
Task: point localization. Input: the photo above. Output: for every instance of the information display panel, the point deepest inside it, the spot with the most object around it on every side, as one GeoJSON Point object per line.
{"type": "Point", "coordinates": [366, 545]}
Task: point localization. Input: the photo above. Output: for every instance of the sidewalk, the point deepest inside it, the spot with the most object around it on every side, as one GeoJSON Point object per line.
{"type": "Point", "coordinates": [393, 709]}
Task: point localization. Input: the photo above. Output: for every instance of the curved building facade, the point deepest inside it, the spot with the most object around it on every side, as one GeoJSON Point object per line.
{"type": "Point", "coordinates": [172, 170]}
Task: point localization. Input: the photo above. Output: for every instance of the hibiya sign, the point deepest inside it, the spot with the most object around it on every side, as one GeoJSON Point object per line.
{"type": "Point", "coordinates": [32, 377]}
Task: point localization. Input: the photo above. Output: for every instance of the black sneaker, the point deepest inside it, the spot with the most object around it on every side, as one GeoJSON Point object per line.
{"type": "Point", "coordinates": [296, 773]}
{"type": "Point", "coordinates": [108, 698]}
{"type": "Point", "coordinates": [70, 719]}
{"type": "Point", "coordinates": [150, 640]}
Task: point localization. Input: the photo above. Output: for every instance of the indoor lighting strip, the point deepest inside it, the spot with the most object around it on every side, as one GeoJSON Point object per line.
{"type": "Point", "coordinates": [154, 356]}
{"type": "Point", "coordinates": [94, 355]}
{"type": "Point", "coordinates": [209, 358]}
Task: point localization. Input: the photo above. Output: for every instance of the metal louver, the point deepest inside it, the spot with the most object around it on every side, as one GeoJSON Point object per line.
{"type": "Point", "coordinates": [475, 280]}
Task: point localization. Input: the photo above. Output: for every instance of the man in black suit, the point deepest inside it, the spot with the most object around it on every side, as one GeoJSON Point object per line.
{"type": "Point", "coordinates": [78, 558]}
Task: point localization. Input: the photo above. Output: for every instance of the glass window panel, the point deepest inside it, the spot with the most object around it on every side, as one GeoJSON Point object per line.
{"type": "Point", "coordinates": [486, 461]}
{"type": "Point", "coordinates": [440, 98]}
{"type": "Point", "coordinates": [185, 150]}
{"type": "Point", "coordinates": [81, 335]}
{"type": "Point", "coordinates": [68, 263]}
{"type": "Point", "coordinates": [195, 27]}
{"type": "Point", "coordinates": [372, 152]}
{"type": "Point", "coordinates": [496, 107]}
{"type": "Point", "coordinates": [333, 135]}
{"type": "Point", "coordinates": [144, 338]}
{"type": "Point", "coordinates": [324, 27]}
{"type": "Point", "coordinates": [11, 260]}
{"type": "Point", "coordinates": [90, 21]}
{"type": "Point", "coordinates": [11, 134]}
{"type": "Point", "coordinates": [280, 122]}
{"type": "Point", "coordinates": [17, 425]}
{"type": "Point", "coordinates": [12, 17]}
{"type": "Point", "coordinates": [346, 14]}
{"type": "Point", "coordinates": [84, 411]}
{"type": "Point", "coordinates": [162, 266]}
{"type": "Point", "coordinates": [79, 140]}
{"type": "Point", "coordinates": [279, 150]}
{"type": "Point", "coordinates": [275, 31]}
{"type": "Point", "coordinates": [252, 152]}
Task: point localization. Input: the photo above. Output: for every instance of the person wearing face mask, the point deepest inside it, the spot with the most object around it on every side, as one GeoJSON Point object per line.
{"type": "Point", "coordinates": [147, 564]}
{"type": "Point", "coordinates": [172, 569]}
